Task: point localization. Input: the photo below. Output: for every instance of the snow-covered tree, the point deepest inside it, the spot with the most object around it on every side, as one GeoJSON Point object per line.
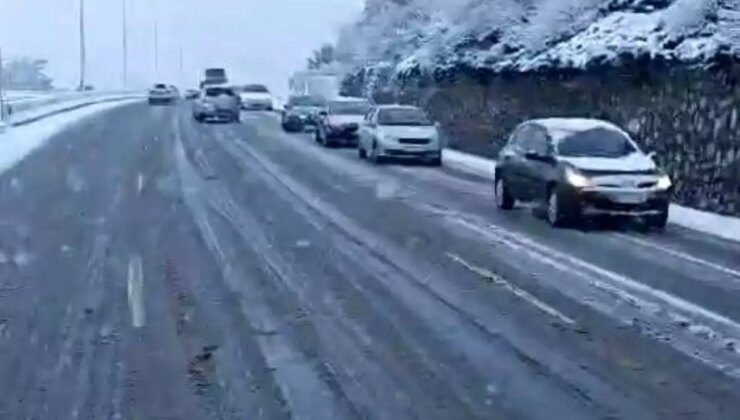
{"type": "Point", "coordinates": [26, 74]}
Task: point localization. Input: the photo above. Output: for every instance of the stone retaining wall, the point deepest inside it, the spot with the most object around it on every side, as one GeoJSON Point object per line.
{"type": "Point", "coordinates": [690, 117]}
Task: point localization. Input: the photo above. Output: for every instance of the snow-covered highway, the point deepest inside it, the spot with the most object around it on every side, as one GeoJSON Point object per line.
{"type": "Point", "coordinates": [153, 267]}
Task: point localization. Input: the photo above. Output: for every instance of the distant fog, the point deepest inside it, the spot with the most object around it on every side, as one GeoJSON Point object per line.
{"type": "Point", "coordinates": [257, 40]}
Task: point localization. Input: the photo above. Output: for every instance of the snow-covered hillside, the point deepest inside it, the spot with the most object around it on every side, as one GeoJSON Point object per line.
{"type": "Point", "coordinates": [524, 35]}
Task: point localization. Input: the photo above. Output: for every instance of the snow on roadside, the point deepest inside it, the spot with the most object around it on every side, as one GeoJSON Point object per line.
{"type": "Point", "coordinates": [61, 104]}
{"type": "Point", "coordinates": [18, 142]}
{"type": "Point", "coordinates": [726, 227]}
{"type": "Point", "coordinates": [723, 226]}
{"type": "Point", "coordinates": [468, 163]}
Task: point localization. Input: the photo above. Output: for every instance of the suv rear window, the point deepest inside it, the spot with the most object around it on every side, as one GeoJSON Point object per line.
{"type": "Point", "coordinates": [219, 91]}
{"type": "Point", "coordinates": [160, 86]}
{"type": "Point", "coordinates": [597, 142]}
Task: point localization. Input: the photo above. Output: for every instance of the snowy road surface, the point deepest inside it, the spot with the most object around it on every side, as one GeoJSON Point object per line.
{"type": "Point", "coordinates": [155, 268]}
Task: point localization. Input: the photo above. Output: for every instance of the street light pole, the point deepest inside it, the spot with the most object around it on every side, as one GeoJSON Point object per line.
{"type": "Point", "coordinates": [2, 90]}
{"type": "Point", "coordinates": [125, 44]}
{"type": "Point", "coordinates": [82, 45]}
{"type": "Point", "coordinates": [156, 50]}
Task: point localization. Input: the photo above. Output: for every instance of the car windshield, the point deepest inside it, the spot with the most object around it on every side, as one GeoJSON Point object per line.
{"type": "Point", "coordinates": [349, 108]}
{"type": "Point", "coordinates": [403, 116]}
{"type": "Point", "coordinates": [160, 86]}
{"type": "Point", "coordinates": [219, 91]}
{"type": "Point", "coordinates": [598, 142]}
{"type": "Point", "coordinates": [306, 101]}
{"type": "Point", "coordinates": [253, 89]}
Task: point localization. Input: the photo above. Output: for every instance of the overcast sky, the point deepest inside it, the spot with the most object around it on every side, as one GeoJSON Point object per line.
{"type": "Point", "coordinates": [256, 40]}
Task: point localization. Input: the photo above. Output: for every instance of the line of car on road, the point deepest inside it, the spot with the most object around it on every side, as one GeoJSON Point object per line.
{"type": "Point", "coordinates": [379, 132]}
{"type": "Point", "coordinates": [216, 101]}
{"type": "Point", "coordinates": [574, 168]}
{"type": "Point", "coordinates": [224, 103]}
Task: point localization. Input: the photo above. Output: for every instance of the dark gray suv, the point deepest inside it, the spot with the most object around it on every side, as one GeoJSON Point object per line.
{"type": "Point", "coordinates": [581, 168]}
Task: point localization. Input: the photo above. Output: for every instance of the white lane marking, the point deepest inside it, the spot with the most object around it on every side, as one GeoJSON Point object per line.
{"type": "Point", "coordinates": [139, 183]}
{"type": "Point", "coordinates": [518, 292]}
{"type": "Point", "coordinates": [708, 337]}
{"type": "Point", "coordinates": [681, 255]}
{"type": "Point", "coordinates": [136, 292]}
{"type": "Point", "coordinates": [628, 283]}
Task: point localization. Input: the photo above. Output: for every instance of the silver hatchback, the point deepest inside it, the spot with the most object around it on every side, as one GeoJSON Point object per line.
{"type": "Point", "coordinates": [217, 103]}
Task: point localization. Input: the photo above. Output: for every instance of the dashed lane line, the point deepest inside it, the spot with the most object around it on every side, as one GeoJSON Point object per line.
{"type": "Point", "coordinates": [682, 255]}
{"type": "Point", "coordinates": [136, 292]}
{"type": "Point", "coordinates": [139, 183]}
{"type": "Point", "coordinates": [516, 291]}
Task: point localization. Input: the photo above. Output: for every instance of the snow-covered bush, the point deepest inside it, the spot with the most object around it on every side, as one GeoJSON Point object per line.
{"type": "Point", "coordinates": [526, 35]}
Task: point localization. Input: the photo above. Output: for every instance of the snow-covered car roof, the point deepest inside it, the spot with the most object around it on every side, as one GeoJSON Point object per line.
{"type": "Point", "coordinates": [559, 128]}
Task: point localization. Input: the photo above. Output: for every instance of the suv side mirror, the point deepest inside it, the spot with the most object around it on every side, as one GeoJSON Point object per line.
{"type": "Point", "coordinates": [652, 155]}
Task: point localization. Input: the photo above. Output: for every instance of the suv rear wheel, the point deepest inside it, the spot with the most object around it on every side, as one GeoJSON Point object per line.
{"type": "Point", "coordinates": [504, 200]}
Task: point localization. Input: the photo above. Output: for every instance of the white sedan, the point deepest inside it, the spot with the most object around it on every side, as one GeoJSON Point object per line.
{"type": "Point", "coordinates": [399, 132]}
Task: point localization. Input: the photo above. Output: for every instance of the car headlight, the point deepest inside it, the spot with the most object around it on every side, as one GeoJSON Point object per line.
{"type": "Point", "coordinates": [664, 182]}
{"type": "Point", "coordinates": [576, 178]}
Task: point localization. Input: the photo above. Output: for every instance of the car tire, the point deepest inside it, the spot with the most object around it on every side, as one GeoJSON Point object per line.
{"type": "Point", "coordinates": [558, 214]}
{"type": "Point", "coordinates": [361, 153]}
{"type": "Point", "coordinates": [237, 119]}
{"type": "Point", "coordinates": [375, 156]}
{"type": "Point", "coordinates": [504, 199]}
{"type": "Point", "coordinates": [324, 139]}
{"type": "Point", "coordinates": [436, 162]}
{"type": "Point", "coordinates": [659, 221]}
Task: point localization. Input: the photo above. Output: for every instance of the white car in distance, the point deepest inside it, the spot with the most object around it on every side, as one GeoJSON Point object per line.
{"type": "Point", "coordinates": [255, 97]}
{"type": "Point", "coordinates": [400, 132]}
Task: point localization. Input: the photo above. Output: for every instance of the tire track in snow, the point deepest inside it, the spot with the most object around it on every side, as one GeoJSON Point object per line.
{"type": "Point", "coordinates": [694, 330]}
{"type": "Point", "coordinates": [375, 248]}
{"type": "Point", "coordinates": [302, 386]}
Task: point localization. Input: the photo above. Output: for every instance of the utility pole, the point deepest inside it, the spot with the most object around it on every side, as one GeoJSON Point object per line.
{"type": "Point", "coordinates": [82, 45]}
{"type": "Point", "coordinates": [156, 51]}
{"type": "Point", "coordinates": [2, 90]}
{"type": "Point", "coordinates": [182, 65]}
{"type": "Point", "coordinates": [125, 44]}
